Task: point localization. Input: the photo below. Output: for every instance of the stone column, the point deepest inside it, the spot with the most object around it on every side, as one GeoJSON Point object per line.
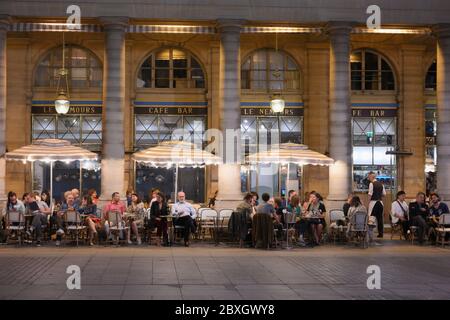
{"type": "Point", "coordinates": [411, 122]}
{"type": "Point", "coordinates": [340, 144]}
{"type": "Point", "coordinates": [4, 25]}
{"type": "Point", "coordinates": [443, 110]}
{"type": "Point", "coordinates": [316, 107]}
{"type": "Point", "coordinates": [229, 184]}
{"type": "Point", "coordinates": [113, 155]}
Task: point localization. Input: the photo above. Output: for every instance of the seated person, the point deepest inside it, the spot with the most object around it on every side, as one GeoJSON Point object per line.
{"type": "Point", "coordinates": [301, 224]}
{"type": "Point", "coordinates": [185, 216]}
{"type": "Point", "coordinates": [279, 219]}
{"type": "Point", "coordinates": [159, 208]}
{"type": "Point", "coordinates": [40, 211]}
{"type": "Point", "coordinates": [399, 212]}
{"type": "Point", "coordinates": [111, 208]}
{"type": "Point", "coordinates": [356, 206]}
{"type": "Point", "coordinates": [315, 213]}
{"type": "Point", "coordinates": [347, 204]}
{"type": "Point", "coordinates": [245, 208]}
{"type": "Point", "coordinates": [90, 209]}
{"type": "Point", "coordinates": [418, 211]}
{"type": "Point", "coordinates": [265, 207]}
{"type": "Point", "coordinates": [135, 217]}
{"type": "Point", "coordinates": [436, 209]}
{"type": "Point", "coordinates": [69, 204]}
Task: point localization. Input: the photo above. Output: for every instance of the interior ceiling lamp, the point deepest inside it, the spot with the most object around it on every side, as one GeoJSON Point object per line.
{"type": "Point", "coordinates": [62, 103]}
{"type": "Point", "coordinates": [276, 101]}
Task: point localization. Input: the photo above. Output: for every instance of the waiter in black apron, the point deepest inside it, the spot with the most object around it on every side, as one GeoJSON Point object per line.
{"type": "Point", "coordinates": [376, 194]}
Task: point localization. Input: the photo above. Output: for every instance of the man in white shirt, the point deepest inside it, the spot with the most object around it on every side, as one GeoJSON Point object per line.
{"type": "Point", "coordinates": [399, 212]}
{"type": "Point", "coordinates": [185, 215]}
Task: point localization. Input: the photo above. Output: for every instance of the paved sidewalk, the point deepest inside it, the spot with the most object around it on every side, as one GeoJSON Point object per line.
{"type": "Point", "coordinates": [207, 272]}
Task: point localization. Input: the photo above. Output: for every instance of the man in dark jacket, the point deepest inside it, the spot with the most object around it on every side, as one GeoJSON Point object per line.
{"type": "Point", "coordinates": [418, 211]}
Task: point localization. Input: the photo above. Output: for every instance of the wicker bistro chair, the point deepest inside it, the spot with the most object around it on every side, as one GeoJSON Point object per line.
{"type": "Point", "coordinates": [442, 229]}
{"type": "Point", "coordinates": [209, 223]}
{"type": "Point", "coordinates": [289, 227]}
{"type": "Point", "coordinates": [338, 226]}
{"type": "Point", "coordinates": [358, 231]}
{"type": "Point", "coordinates": [116, 226]}
{"type": "Point", "coordinates": [15, 223]}
{"type": "Point", "coordinates": [74, 225]}
{"type": "Point", "coordinates": [396, 228]}
{"type": "Point", "coordinates": [224, 218]}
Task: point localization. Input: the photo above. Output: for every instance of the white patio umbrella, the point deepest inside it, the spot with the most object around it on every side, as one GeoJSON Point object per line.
{"type": "Point", "coordinates": [176, 153]}
{"type": "Point", "coordinates": [288, 153]}
{"type": "Point", "coordinates": [50, 150]}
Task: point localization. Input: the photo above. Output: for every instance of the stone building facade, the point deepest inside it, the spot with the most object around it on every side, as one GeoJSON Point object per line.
{"type": "Point", "coordinates": [142, 70]}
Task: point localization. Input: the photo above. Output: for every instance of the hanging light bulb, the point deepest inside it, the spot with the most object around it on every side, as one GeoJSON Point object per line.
{"type": "Point", "coordinates": [62, 103]}
{"type": "Point", "coordinates": [277, 104]}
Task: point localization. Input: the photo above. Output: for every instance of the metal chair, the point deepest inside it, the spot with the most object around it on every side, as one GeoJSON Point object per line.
{"type": "Point", "coordinates": [116, 225]}
{"type": "Point", "coordinates": [208, 222]}
{"type": "Point", "coordinates": [337, 217]}
{"type": "Point", "coordinates": [73, 223]}
{"type": "Point", "coordinates": [442, 229]}
{"type": "Point", "coordinates": [359, 228]}
{"type": "Point", "coordinates": [15, 222]}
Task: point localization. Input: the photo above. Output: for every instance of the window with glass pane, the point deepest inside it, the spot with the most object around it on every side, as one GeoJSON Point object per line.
{"type": "Point", "coordinates": [195, 127]}
{"type": "Point", "coordinates": [269, 69]}
{"type": "Point", "coordinates": [91, 130]}
{"type": "Point", "coordinates": [431, 77]}
{"type": "Point", "coordinates": [146, 129]}
{"type": "Point", "coordinates": [372, 137]}
{"type": "Point", "coordinates": [370, 71]}
{"type": "Point", "coordinates": [167, 124]}
{"type": "Point", "coordinates": [385, 131]}
{"type": "Point", "coordinates": [152, 129]}
{"type": "Point", "coordinates": [290, 129]}
{"type": "Point", "coordinates": [257, 134]}
{"type": "Point", "coordinates": [362, 131]}
{"type": "Point", "coordinates": [43, 127]}
{"type": "Point", "coordinates": [84, 68]}
{"type": "Point", "coordinates": [69, 128]}
{"type": "Point", "coordinates": [356, 70]}
{"type": "Point", "coordinates": [171, 68]}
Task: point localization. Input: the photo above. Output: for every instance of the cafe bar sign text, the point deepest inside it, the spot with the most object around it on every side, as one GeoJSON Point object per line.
{"type": "Point", "coordinates": [374, 113]}
{"type": "Point", "coordinates": [180, 109]}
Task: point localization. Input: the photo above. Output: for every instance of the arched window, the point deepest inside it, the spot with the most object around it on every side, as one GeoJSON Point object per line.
{"type": "Point", "coordinates": [170, 68]}
{"type": "Point", "coordinates": [268, 69]}
{"type": "Point", "coordinates": [430, 79]}
{"type": "Point", "coordinates": [370, 71]}
{"type": "Point", "coordinates": [85, 70]}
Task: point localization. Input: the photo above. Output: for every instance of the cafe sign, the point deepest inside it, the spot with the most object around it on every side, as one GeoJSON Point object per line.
{"type": "Point", "coordinates": [171, 108]}
{"type": "Point", "coordinates": [266, 111]}
{"type": "Point", "coordinates": [374, 113]}
{"type": "Point", "coordinates": [74, 109]}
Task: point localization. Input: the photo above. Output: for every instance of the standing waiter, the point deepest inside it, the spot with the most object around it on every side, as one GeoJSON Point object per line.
{"type": "Point", "coordinates": [376, 194]}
